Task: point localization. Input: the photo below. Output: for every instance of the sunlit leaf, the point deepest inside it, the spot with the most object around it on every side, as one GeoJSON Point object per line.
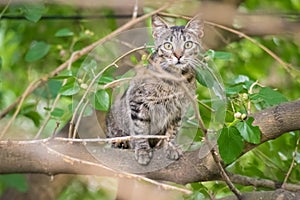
{"type": "Point", "coordinates": [70, 88]}
{"type": "Point", "coordinates": [204, 77]}
{"type": "Point", "coordinates": [37, 51]}
{"type": "Point", "coordinates": [101, 100]}
{"type": "Point", "coordinates": [249, 132]}
{"type": "Point", "coordinates": [268, 96]}
{"type": "Point", "coordinates": [219, 54]}
{"type": "Point", "coordinates": [241, 79]}
{"type": "Point", "coordinates": [57, 112]}
{"type": "Point", "coordinates": [230, 144]}
{"type": "Point", "coordinates": [64, 32]}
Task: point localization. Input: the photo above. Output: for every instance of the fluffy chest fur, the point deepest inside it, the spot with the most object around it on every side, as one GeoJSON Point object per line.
{"type": "Point", "coordinates": [158, 101]}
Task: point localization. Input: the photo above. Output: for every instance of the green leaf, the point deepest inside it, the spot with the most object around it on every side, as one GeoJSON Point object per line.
{"type": "Point", "coordinates": [57, 112]}
{"type": "Point", "coordinates": [219, 54]}
{"type": "Point", "coordinates": [105, 79]}
{"type": "Point", "coordinates": [34, 116]}
{"type": "Point", "coordinates": [64, 75]}
{"type": "Point", "coordinates": [204, 77]}
{"type": "Point", "coordinates": [101, 100]}
{"type": "Point", "coordinates": [234, 89]}
{"type": "Point", "coordinates": [241, 79]}
{"type": "Point", "coordinates": [64, 32]}
{"type": "Point", "coordinates": [70, 88]}
{"type": "Point", "coordinates": [133, 59]}
{"type": "Point", "coordinates": [249, 132]}
{"type": "Point", "coordinates": [1, 63]}
{"type": "Point", "coordinates": [50, 89]}
{"type": "Point", "coordinates": [269, 97]}
{"type": "Point", "coordinates": [37, 51]}
{"type": "Point", "coordinates": [223, 55]}
{"type": "Point", "coordinates": [17, 181]}
{"type": "Point", "coordinates": [230, 144]}
{"type": "Point", "coordinates": [33, 12]}
{"type": "Point", "coordinates": [28, 107]}
{"type": "Point", "coordinates": [28, 111]}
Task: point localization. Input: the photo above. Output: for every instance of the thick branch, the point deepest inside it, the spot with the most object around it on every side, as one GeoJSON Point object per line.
{"type": "Point", "coordinates": [267, 195]}
{"type": "Point", "coordinates": [56, 157]}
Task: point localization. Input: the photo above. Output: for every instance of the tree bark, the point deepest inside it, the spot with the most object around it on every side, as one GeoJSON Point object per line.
{"type": "Point", "coordinates": [50, 156]}
{"type": "Point", "coordinates": [268, 195]}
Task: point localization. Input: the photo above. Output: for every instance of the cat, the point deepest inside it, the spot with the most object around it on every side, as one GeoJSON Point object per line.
{"type": "Point", "coordinates": [154, 105]}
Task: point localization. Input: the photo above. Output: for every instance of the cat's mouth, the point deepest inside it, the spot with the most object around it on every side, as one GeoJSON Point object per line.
{"type": "Point", "coordinates": [180, 62]}
{"type": "Point", "coordinates": [176, 61]}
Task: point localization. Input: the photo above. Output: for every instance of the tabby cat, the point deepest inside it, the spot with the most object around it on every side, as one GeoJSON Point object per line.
{"type": "Point", "coordinates": [155, 105]}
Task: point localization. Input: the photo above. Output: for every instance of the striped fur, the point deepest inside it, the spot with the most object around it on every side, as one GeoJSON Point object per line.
{"type": "Point", "coordinates": [154, 105]}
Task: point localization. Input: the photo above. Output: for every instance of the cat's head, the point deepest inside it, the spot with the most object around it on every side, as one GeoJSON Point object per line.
{"type": "Point", "coordinates": [177, 45]}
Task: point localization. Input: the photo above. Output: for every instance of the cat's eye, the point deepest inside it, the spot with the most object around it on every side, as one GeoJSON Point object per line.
{"type": "Point", "coordinates": [168, 46]}
{"type": "Point", "coordinates": [188, 45]}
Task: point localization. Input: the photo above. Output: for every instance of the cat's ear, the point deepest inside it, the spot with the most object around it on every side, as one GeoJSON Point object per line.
{"type": "Point", "coordinates": [158, 26]}
{"type": "Point", "coordinates": [195, 26]}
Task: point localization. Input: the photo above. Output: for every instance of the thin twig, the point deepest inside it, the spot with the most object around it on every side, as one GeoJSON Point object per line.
{"type": "Point", "coordinates": [4, 130]}
{"type": "Point", "coordinates": [115, 83]}
{"type": "Point", "coordinates": [79, 117]}
{"type": "Point", "coordinates": [258, 182]}
{"type": "Point", "coordinates": [135, 9]}
{"type": "Point", "coordinates": [5, 8]}
{"type": "Point", "coordinates": [110, 140]}
{"type": "Point", "coordinates": [48, 117]}
{"type": "Point", "coordinates": [82, 52]}
{"type": "Point", "coordinates": [55, 130]}
{"type": "Point", "coordinates": [287, 66]}
{"type": "Point", "coordinates": [206, 106]}
{"type": "Point", "coordinates": [224, 174]}
{"type": "Point", "coordinates": [251, 92]}
{"type": "Point", "coordinates": [292, 164]}
{"type": "Point", "coordinates": [72, 131]}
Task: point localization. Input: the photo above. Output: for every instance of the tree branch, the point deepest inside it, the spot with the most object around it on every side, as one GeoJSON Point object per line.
{"type": "Point", "coordinates": [38, 156]}
{"type": "Point", "coordinates": [267, 195]}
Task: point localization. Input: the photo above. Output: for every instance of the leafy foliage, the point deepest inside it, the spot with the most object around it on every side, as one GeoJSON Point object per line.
{"type": "Point", "coordinates": [253, 81]}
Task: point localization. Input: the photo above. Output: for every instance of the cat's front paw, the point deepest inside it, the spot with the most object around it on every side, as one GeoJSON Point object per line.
{"type": "Point", "coordinates": [120, 145]}
{"type": "Point", "coordinates": [173, 152]}
{"type": "Point", "coordinates": [143, 156]}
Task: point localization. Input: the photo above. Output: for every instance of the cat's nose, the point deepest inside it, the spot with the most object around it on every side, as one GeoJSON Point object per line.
{"type": "Point", "coordinates": [178, 55]}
